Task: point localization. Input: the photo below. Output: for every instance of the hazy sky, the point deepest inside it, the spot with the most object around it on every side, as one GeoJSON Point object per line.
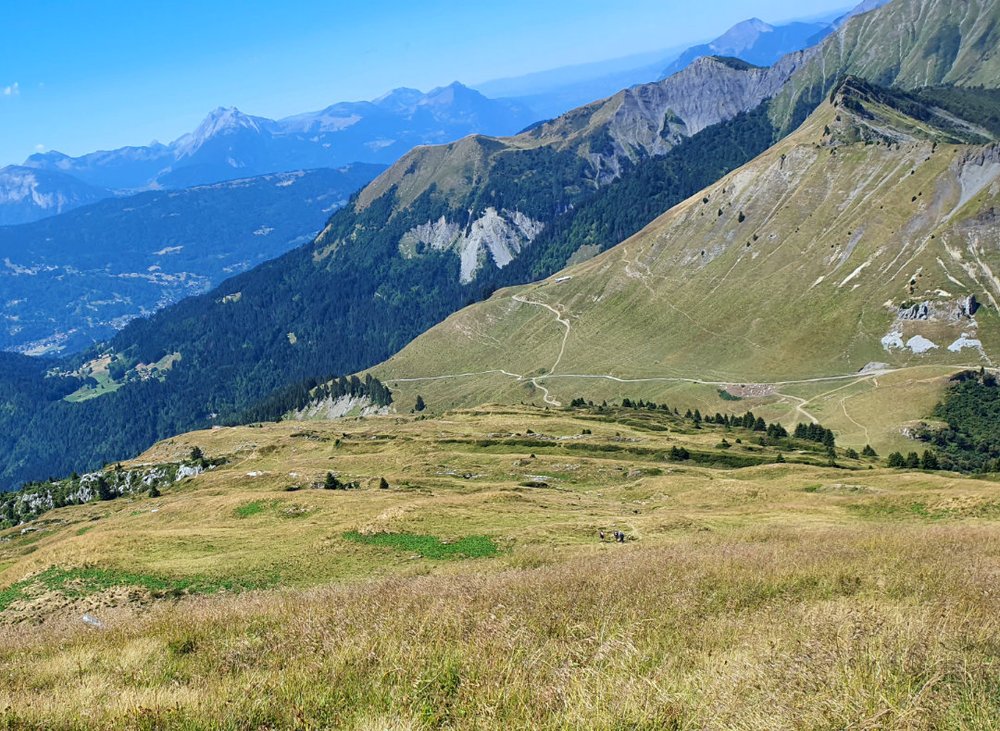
{"type": "Point", "coordinates": [80, 75]}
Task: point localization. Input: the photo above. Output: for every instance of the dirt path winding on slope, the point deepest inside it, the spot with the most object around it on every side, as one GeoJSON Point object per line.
{"type": "Point", "coordinates": [562, 348]}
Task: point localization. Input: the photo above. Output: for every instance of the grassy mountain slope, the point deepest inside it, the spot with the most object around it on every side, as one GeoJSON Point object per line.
{"type": "Point", "coordinates": [856, 240]}
{"type": "Point", "coordinates": [740, 596]}
{"type": "Point", "coordinates": [907, 44]}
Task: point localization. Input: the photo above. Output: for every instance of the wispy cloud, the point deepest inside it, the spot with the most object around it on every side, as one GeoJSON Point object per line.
{"type": "Point", "coordinates": [12, 90]}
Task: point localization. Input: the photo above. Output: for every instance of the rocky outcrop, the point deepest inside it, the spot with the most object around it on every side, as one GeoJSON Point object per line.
{"type": "Point", "coordinates": [335, 408]}
{"type": "Point", "coordinates": [709, 91]}
{"type": "Point", "coordinates": [951, 310]}
{"type": "Point", "coordinates": [438, 235]}
{"type": "Point", "coordinates": [918, 311]}
{"type": "Point", "coordinates": [33, 500]}
{"type": "Point", "coordinates": [495, 235]}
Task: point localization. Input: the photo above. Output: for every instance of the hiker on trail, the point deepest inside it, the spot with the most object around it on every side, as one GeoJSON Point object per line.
{"type": "Point", "coordinates": [621, 536]}
{"type": "Point", "coordinates": [601, 534]}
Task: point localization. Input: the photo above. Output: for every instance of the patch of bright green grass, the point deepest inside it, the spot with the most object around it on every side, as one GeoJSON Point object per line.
{"type": "Point", "coordinates": [429, 546]}
{"type": "Point", "coordinates": [105, 384]}
{"type": "Point", "coordinates": [252, 508]}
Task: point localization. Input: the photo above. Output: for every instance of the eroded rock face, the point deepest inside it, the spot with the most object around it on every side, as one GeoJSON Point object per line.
{"type": "Point", "coordinates": [335, 408]}
{"type": "Point", "coordinates": [708, 92]}
{"type": "Point", "coordinates": [953, 310]}
{"type": "Point", "coordinates": [439, 235]}
{"type": "Point", "coordinates": [496, 235]}
{"type": "Point", "coordinates": [919, 311]}
{"type": "Point", "coordinates": [653, 118]}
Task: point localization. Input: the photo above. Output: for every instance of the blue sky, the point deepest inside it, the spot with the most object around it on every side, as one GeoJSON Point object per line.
{"type": "Point", "coordinates": [78, 76]}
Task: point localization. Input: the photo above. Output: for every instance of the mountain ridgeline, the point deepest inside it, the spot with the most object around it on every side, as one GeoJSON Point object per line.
{"type": "Point", "coordinates": [448, 225]}
{"type": "Point", "coordinates": [907, 44]}
{"type": "Point", "coordinates": [231, 145]}
{"type": "Point", "coordinates": [863, 243]}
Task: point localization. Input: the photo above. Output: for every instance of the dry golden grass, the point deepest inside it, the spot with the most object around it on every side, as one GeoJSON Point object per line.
{"type": "Point", "coordinates": [781, 628]}
{"type": "Point", "coordinates": [771, 597]}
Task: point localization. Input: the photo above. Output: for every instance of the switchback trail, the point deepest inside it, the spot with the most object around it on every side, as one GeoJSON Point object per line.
{"type": "Point", "coordinates": [562, 348]}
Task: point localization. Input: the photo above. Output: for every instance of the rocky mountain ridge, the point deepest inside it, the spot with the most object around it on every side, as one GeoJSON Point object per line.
{"type": "Point", "coordinates": [903, 44]}
{"type": "Point", "coordinates": [593, 146]}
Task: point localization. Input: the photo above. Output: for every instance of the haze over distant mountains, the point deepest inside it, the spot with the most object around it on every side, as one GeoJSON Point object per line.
{"type": "Point", "coordinates": [230, 145]}
{"type": "Point", "coordinates": [756, 42]}
{"type": "Point", "coordinates": [554, 92]}
{"type": "Point", "coordinates": [27, 194]}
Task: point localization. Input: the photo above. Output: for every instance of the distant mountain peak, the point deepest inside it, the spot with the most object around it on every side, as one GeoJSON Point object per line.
{"type": "Point", "coordinates": [750, 24]}
{"type": "Point", "coordinates": [863, 7]}
{"type": "Point", "coordinates": [220, 121]}
{"type": "Point", "coordinates": [223, 119]}
{"type": "Point", "coordinates": [50, 158]}
{"type": "Point", "coordinates": [399, 98]}
{"type": "Point", "coordinates": [406, 99]}
{"type": "Point", "coordinates": [741, 36]}
{"type": "Point", "coordinates": [451, 92]}
{"type": "Point", "coordinates": [756, 42]}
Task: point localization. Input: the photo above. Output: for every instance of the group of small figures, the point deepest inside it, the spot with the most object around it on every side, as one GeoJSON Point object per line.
{"type": "Point", "coordinates": [618, 535]}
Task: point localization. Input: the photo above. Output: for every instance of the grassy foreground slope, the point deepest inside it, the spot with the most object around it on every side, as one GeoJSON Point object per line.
{"type": "Point", "coordinates": [854, 242]}
{"type": "Point", "coordinates": [474, 591]}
